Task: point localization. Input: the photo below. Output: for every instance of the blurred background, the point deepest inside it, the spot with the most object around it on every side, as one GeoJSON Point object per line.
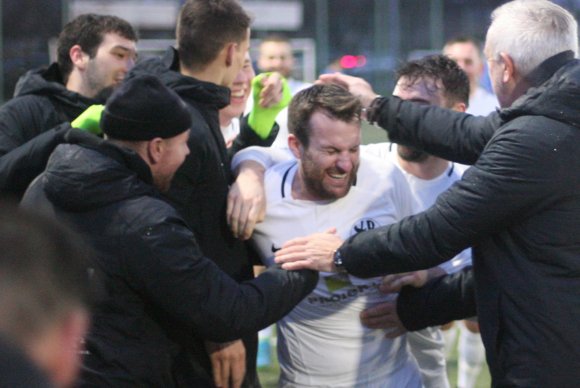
{"type": "Point", "coordinates": [368, 38]}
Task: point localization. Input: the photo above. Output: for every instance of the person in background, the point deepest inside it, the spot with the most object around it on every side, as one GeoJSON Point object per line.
{"type": "Point", "coordinates": [275, 54]}
{"type": "Point", "coordinates": [467, 53]}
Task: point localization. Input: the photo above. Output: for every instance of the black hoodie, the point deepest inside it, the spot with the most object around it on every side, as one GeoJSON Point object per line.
{"type": "Point", "coordinates": [32, 124]}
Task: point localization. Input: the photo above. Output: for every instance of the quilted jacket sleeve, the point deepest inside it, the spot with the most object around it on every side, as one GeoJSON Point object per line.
{"type": "Point", "coordinates": [195, 296]}
{"type": "Point", "coordinates": [441, 300]}
{"type": "Point", "coordinates": [517, 174]}
{"type": "Point", "coordinates": [451, 135]}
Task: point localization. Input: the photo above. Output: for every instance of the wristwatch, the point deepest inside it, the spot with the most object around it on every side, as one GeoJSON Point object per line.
{"type": "Point", "coordinates": [371, 113]}
{"type": "Point", "coordinates": [338, 263]}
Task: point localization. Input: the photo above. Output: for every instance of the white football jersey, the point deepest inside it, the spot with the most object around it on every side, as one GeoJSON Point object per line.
{"type": "Point", "coordinates": [321, 342]}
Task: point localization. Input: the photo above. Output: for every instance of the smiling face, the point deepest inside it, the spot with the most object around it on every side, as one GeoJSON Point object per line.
{"type": "Point", "coordinates": [240, 92]}
{"type": "Point", "coordinates": [468, 57]}
{"type": "Point", "coordinates": [107, 69]}
{"type": "Point", "coordinates": [171, 157]}
{"type": "Point", "coordinates": [276, 56]}
{"type": "Point", "coordinates": [329, 164]}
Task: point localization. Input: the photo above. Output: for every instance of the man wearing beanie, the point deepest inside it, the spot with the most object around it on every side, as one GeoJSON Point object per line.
{"type": "Point", "coordinates": [160, 294]}
{"type": "Point", "coordinates": [212, 42]}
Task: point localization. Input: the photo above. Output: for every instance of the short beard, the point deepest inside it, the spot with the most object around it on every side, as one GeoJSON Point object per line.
{"type": "Point", "coordinates": [414, 155]}
{"type": "Point", "coordinates": [103, 95]}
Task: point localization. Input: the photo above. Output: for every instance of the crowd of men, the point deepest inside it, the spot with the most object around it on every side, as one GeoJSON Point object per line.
{"type": "Point", "coordinates": [369, 249]}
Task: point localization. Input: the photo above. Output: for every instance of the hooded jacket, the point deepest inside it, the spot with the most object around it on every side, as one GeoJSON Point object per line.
{"type": "Point", "coordinates": [31, 126]}
{"type": "Point", "coordinates": [160, 293]}
{"type": "Point", "coordinates": [518, 206]}
{"type": "Point", "coordinates": [200, 187]}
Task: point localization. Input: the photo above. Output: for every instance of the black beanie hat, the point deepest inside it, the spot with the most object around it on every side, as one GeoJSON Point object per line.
{"type": "Point", "coordinates": [142, 108]}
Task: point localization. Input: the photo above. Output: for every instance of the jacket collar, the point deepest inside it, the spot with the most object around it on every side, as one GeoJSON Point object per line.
{"type": "Point", "coordinates": [546, 69]}
{"type": "Point", "coordinates": [193, 88]}
{"type": "Point", "coordinates": [124, 156]}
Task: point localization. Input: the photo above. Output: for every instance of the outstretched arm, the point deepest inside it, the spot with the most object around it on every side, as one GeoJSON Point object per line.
{"type": "Point", "coordinates": [450, 135]}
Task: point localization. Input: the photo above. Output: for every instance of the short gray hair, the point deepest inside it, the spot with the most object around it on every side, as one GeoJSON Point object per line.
{"type": "Point", "coordinates": [531, 31]}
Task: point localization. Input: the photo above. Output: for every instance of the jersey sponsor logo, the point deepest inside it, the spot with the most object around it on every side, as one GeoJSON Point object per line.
{"type": "Point", "coordinates": [363, 225]}
{"type": "Point", "coordinates": [342, 291]}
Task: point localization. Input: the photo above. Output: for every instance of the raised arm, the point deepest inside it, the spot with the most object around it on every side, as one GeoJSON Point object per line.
{"type": "Point", "coordinates": [450, 135]}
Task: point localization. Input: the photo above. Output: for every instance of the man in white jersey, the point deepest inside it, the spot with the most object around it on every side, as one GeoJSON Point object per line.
{"type": "Point", "coordinates": [322, 341]}
{"type": "Point", "coordinates": [435, 80]}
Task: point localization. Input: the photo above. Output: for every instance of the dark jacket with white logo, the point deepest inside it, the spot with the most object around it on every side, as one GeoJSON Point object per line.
{"type": "Point", "coordinates": [161, 294]}
{"type": "Point", "coordinates": [518, 206]}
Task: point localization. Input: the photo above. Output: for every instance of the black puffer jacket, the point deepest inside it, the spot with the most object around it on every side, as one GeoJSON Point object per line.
{"type": "Point", "coordinates": [518, 206]}
{"type": "Point", "coordinates": [200, 187]}
{"type": "Point", "coordinates": [161, 293]}
{"type": "Point", "coordinates": [31, 126]}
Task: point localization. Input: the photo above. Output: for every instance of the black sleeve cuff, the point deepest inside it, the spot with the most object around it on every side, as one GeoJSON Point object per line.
{"type": "Point", "coordinates": [441, 300]}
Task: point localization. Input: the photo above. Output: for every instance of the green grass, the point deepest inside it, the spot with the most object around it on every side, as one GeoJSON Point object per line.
{"type": "Point", "coordinates": [269, 375]}
{"type": "Point", "coordinates": [371, 134]}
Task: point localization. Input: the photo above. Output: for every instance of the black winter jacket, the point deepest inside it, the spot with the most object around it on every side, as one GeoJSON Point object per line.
{"type": "Point", "coordinates": [200, 186]}
{"type": "Point", "coordinates": [31, 126]}
{"type": "Point", "coordinates": [161, 292]}
{"type": "Point", "coordinates": [518, 206]}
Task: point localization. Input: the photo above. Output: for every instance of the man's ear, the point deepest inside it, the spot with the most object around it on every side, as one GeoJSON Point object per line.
{"type": "Point", "coordinates": [509, 71]}
{"type": "Point", "coordinates": [155, 149]}
{"type": "Point", "coordinates": [230, 53]}
{"type": "Point", "coordinates": [78, 57]}
{"type": "Point", "coordinates": [295, 146]}
{"type": "Point", "coordinates": [459, 107]}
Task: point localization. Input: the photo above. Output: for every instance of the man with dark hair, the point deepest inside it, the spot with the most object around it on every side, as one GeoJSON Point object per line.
{"type": "Point", "coordinates": [44, 297]}
{"type": "Point", "coordinates": [94, 54]}
{"type": "Point", "coordinates": [161, 293]}
{"type": "Point", "coordinates": [212, 42]}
